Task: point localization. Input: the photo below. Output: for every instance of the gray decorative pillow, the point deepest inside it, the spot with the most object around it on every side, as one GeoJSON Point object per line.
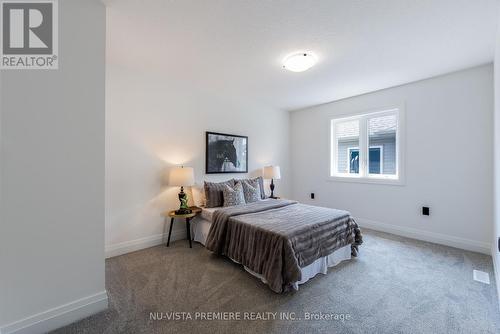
{"type": "Point", "coordinates": [251, 190]}
{"type": "Point", "coordinates": [260, 181]}
{"type": "Point", "coordinates": [233, 195]}
{"type": "Point", "coordinates": [213, 193]}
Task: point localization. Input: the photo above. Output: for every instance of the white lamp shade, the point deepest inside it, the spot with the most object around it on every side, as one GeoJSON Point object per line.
{"type": "Point", "coordinates": [272, 172]}
{"type": "Point", "coordinates": [181, 177]}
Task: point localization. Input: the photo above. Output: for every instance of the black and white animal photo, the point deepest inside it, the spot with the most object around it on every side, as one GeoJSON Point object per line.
{"type": "Point", "coordinates": [226, 153]}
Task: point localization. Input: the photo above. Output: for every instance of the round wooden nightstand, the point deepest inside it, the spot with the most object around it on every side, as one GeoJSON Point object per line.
{"type": "Point", "coordinates": [172, 215]}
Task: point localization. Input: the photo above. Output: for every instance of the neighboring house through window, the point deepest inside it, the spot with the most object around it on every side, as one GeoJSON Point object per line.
{"type": "Point", "coordinates": [375, 159]}
{"type": "Point", "coordinates": [353, 158]}
{"type": "Point", "coordinates": [367, 147]}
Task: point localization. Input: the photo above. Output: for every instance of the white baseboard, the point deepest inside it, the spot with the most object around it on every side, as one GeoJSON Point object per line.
{"type": "Point", "coordinates": [142, 243]}
{"type": "Point", "coordinates": [59, 316]}
{"type": "Point", "coordinates": [438, 238]}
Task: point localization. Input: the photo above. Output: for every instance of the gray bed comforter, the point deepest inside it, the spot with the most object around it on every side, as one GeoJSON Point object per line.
{"type": "Point", "coordinates": [275, 238]}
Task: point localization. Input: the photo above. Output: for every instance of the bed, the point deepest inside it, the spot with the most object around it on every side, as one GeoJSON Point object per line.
{"type": "Point", "coordinates": [282, 242]}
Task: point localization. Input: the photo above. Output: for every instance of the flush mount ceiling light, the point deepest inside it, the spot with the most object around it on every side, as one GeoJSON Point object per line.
{"type": "Point", "coordinates": [299, 62]}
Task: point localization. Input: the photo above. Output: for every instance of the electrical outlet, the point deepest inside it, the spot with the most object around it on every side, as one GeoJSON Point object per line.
{"type": "Point", "coordinates": [426, 211]}
{"type": "Point", "coordinates": [481, 276]}
{"type": "Point", "coordinates": [312, 195]}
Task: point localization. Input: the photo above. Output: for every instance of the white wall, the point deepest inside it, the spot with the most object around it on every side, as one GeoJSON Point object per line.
{"type": "Point", "coordinates": [154, 123]}
{"type": "Point", "coordinates": [449, 136]}
{"type": "Point", "coordinates": [495, 253]}
{"type": "Point", "coordinates": [52, 191]}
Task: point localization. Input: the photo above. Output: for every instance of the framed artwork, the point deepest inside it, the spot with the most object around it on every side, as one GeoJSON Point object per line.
{"type": "Point", "coordinates": [226, 153]}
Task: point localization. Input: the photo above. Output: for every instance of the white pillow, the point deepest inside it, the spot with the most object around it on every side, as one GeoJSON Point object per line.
{"type": "Point", "coordinates": [198, 191]}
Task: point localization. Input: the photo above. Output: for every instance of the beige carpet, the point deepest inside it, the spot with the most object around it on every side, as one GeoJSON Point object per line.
{"type": "Point", "coordinates": [397, 285]}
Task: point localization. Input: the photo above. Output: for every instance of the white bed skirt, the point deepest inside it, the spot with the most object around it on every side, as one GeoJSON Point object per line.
{"type": "Point", "coordinates": [200, 228]}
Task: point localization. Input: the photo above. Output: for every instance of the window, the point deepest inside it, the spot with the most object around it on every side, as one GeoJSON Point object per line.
{"type": "Point", "coordinates": [366, 147]}
{"type": "Point", "coordinates": [353, 159]}
{"type": "Point", "coordinates": [375, 161]}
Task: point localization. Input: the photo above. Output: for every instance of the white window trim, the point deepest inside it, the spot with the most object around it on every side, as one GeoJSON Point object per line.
{"type": "Point", "coordinates": [397, 180]}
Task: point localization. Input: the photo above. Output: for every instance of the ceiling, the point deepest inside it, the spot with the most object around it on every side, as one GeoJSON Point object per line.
{"type": "Point", "coordinates": [235, 48]}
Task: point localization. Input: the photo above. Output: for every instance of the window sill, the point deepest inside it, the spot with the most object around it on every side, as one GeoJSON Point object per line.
{"type": "Point", "coordinates": [367, 180]}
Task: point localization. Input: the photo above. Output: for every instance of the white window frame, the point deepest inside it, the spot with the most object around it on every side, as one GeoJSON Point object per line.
{"type": "Point", "coordinates": [364, 176]}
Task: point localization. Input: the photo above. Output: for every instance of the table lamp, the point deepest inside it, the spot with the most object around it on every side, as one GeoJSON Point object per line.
{"type": "Point", "coordinates": [182, 177]}
{"type": "Point", "coordinates": [272, 172]}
